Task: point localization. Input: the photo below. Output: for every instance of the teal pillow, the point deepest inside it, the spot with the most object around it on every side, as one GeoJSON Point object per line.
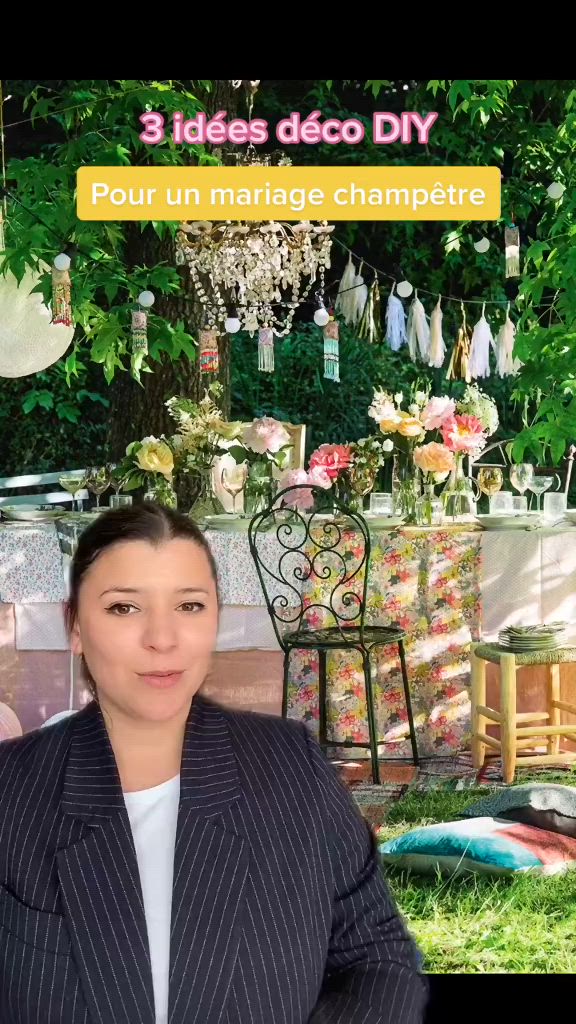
{"type": "Point", "coordinates": [482, 845]}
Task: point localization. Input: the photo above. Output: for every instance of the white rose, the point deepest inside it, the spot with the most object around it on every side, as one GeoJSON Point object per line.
{"type": "Point", "coordinates": [414, 409]}
{"type": "Point", "coordinates": [399, 398]}
{"type": "Point", "coordinates": [388, 445]}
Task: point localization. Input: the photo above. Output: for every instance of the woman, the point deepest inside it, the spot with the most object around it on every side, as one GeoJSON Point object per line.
{"type": "Point", "coordinates": [166, 860]}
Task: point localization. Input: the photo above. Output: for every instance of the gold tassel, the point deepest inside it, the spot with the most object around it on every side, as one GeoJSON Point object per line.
{"type": "Point", "coordinates": [459, 366]}
{"type": "Point", "coordinates": [208, 341]}
{"type": "Point", "coordinates": [61, 305]}
{"type": "Point", "coordinates": [512, 243]}
{"type": "Point", "coordinates": [370, 325]}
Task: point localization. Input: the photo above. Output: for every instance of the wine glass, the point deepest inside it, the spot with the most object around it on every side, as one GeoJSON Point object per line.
{"type": "Point", "coordinates": [98, 481]}
{"type": "Point", "coordinates": [538, 485]}
{"type": "Point", "coordinates": [73, 484]}
{"type": "Point", "coordinates": [490, 480]}
{"type": "Point", "coordinates": [521, 476]}
{"type": "Point", "coordinates": [233, 481]}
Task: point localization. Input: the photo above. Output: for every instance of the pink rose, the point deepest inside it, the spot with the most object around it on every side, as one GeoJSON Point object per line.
{"type": "Point", "coordinates": [333, 458]}
{"type": "Point", "coordinates": [436, 412]}
{"type": "Point", "coordinates": [463, 434]}
{"type": "Point", "coordinates": [303, 499]}
{"type": "Point", "coordinates": [434, 458]}
{"type": "Point", "coordinates": [265, 435]}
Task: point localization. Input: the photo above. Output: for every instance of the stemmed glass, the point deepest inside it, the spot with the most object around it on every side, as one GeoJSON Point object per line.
{"type": "Point", "coordinates": [521, 476]}
{"type": "Point", "coordinates": [490, 480]}
{"type": "Point", "coordinates": [234, 480]}
{"type": "Point", "coordinates": [98, 481]}
{"type": "Point", "coordinates": [117, 478]}
{"type": "Point", "coordinates": [538, 485]}
{"type": "Point", "coordinates": [73, 484]}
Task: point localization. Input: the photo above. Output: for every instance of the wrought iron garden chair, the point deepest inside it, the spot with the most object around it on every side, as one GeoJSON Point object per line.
{"type": "Point", "coordinates": [315, 585]}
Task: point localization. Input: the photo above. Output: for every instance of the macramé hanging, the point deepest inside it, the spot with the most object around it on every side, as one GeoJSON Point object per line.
{"type": "Point", "coordinates": [139, 332]}
{"type": "Point", "coordinates": [331, 351]}
{"type": "Point", "coordinates": [208, 343]}
{"type": "Point", "coordinates": [512, 251]}
{"type": "Point", "coordinates": [61, 305]}
{"type": "Point", "coordinates": [266, 350]}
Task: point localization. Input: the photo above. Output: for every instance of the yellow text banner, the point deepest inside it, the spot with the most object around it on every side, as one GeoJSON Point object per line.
{"type": "Point", "coordinates": [288, 193]}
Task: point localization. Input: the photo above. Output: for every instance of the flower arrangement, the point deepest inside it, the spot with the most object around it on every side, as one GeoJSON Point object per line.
{"type": "Point", "coordinates": [149, 463]}
{"type": "Point", "coordinates": [265, 440]}
{"type": "Point", "coordinates": [201, 429]}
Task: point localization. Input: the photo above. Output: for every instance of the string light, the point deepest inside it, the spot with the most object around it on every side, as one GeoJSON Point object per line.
{"type": "Point", "coordinates": [404, 289]}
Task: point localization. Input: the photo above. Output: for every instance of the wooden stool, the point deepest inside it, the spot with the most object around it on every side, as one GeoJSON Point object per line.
{"type": "Point", "coordinates": [514, 734]}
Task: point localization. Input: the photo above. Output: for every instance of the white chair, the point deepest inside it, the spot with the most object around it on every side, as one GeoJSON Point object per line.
{"type": "Point", "coordinates": [38, 480]}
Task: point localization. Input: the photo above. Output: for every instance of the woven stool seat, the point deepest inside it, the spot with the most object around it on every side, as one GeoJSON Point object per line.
{"type": "Point", "coordinates": [493, 653]}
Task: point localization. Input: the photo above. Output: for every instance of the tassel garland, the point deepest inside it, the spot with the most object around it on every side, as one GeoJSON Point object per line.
{"type": "Point", "coordinates": [331, 351]}
{"type": "Point", "coordinates": [395, 322]}
{"type": "Point", "coordinates": [506, 365]}
{"type": "Point", "coordinates": [437, 352]}
{"type": "Point", "coordinates": [418, 331]}
{"type": "Point", "coordinates": [459, 366]}
{"type": "Point", "coordinates": [345, 301]}
{"type": "Point", "coordinates": [480, 348]}
{"type": "Point", "coordinates": [370, 328]}
{"type": "Point", "coordinates": [266, 350]}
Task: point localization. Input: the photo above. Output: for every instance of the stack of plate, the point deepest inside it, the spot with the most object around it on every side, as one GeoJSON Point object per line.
{"type": "Point", "coordinates": [533, 638]}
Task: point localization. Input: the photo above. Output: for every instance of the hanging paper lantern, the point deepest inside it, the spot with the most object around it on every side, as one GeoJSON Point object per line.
{"type": "Point", "coordinates": [61, 305]}
{"type": "Point", "coordinates": [512, 244]}
{"type": "Point", "coordinates": [208, 344]}
{"type": "Point", "coordinates": [482, 245]}
{"type": "Point", "coordinates": [331, 351]}
{"type": "Point", "coordinates": [321, 316]}
{"type": "Point", "coordinates": [232, 323]}
{"type": "Point", "coordinates": [437, 351]}
{"type": "Point", "coordinates": [266, 350]}
{"type": "Point", "coordinates": [146, 299]}
{"type": "Point", "coordinates": [405, 289]}
{"type": "Point", "coordinates": [556, 190]}
{"type": "Point", "coordinates": [395, 322]}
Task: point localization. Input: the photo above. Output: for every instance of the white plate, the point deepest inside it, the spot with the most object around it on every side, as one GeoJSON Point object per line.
{"type": "Point", "coordinates": [227, 521]}
{"type": "Point", "coordinates": [374, 519]}
{"type": "Point", "coordinates": [32, 513]}
{"type": "Point", "coordinates": [510, 522]}
{"type": "Point", "coordinates": [570, 514]}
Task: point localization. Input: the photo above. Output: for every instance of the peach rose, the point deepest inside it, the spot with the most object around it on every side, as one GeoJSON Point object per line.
{"type": "Point", "coordinates": [410, 426]}
{"type": "Point", "coordinates": [434, 458]}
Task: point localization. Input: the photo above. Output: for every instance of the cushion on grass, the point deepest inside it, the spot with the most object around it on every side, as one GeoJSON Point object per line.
{"type": "Point", "coordinates": [543, 805]}
{"type": "Point", "coordinates": [482, 845]}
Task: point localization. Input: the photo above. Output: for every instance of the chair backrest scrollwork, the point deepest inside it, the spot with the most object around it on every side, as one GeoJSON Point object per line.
{"type": "Point", "coordinates": [312, 556]}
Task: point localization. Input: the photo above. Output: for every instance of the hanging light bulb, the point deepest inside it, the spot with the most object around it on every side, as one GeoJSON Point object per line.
{"type": "Point", "coordinates": [232, 323]}
{"type": "Point", "coordinates": [556, 190]}
{"type": "Point", "coordinates": [321, 316]}
{"type": "Point", "coordinates": [62, 261]}
{"type": "Point", "coordinates": [146, 299]}
{"type": "Point", "coordinates": [482, 245]}
{"type": "Point", "coordinates": [404, 289]}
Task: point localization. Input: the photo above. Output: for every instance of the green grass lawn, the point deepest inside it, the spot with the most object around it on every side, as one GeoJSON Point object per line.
{"type": "Point", "coordinates": [477, 925]}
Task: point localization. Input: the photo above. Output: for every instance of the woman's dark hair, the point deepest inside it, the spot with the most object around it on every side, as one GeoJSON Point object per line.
{"type": "Point", "coordinates": [153, 523]}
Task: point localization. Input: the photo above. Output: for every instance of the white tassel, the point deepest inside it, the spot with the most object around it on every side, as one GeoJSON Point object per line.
{"type": "Point", "coordinates": [346, 300]}
{"type": "Point", "coordinates": [507, 366]}
{"type": "Point", "coordinates": [437, 345]}
{"type": "Point", "coordinates": [395, 322]}
{"type": "Point", "coordinates": [266, 350]}
{"type": "Point", "coordinates": [480, 349]}
{"type": "Point", "coordinates": [360, 294]}
{"type": "Point", "coordinates": [418, 331]}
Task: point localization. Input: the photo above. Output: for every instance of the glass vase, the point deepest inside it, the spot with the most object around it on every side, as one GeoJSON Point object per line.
{"type": "Point", "coordinates": [260, 488]}
{"type": "Point", "coordinates": [405, 486]}
{"type": "Point", "coordinates": [458, 496]}
{"type": "Point", "coordinates": [429, 508]}
{"type": "Point", "coordinates": [205, 503]}
{"type": "Point", "coordinates": [161, 492]}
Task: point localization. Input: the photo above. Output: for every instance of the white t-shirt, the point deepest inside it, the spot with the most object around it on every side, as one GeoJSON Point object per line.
{"type": "Point", "coordinates": [153, 816]}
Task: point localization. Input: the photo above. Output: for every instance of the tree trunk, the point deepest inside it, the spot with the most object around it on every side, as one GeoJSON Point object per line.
{"type": "Point", "coordinates": [138, 410]}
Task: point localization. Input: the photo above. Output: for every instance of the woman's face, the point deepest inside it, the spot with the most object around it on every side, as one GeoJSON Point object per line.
{"type": "Point", "coordinates": [146, 625]}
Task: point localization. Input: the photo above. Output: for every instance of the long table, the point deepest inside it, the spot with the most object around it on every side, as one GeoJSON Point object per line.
{"type": "Point", "coordinates": [445, 586]}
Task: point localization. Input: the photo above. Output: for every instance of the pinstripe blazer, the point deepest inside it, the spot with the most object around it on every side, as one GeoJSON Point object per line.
{"type": "Point", "coordinates": [280, 914]}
